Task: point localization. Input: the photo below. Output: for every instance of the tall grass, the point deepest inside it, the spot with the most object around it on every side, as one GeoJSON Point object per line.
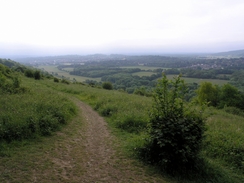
{"type": "Point", "coordinates": [40, 111]}
{"type": "Point", "coordinates": [225, 140]}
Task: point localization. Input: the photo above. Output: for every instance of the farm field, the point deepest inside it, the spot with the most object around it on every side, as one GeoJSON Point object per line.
{"type": "Point", "coordinates": [143, 73]}
{"type": "Point", "coordinates": [199, 81]}
{"type": "Point", "coordinates": [68, 69]}
{"type": "Point", "coordinates": [142, 67]}
{"type": "Point", "coordinates": [52, 69]}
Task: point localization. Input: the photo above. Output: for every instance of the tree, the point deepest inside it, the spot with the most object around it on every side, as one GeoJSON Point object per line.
{"type": "Point", "coordinates": [107, 86]}
{"type": "Point", "coordinates": [225, 96]}
{"type": "Point", "coordinates": [175, 130]}
{"type": "Point", "coordinates": [207, 92]}
{"type": "Point", "coordinates": [231, 97]}
{"type": "Point", "coordinates": [237, 79]}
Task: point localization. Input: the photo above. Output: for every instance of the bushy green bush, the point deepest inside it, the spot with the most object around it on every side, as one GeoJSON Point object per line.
{"type": "Point", "coordinates": [29, 73]}
{"type": "Point", "coordinates": [176, 131]}
{"type": "Point", "coordinates": [107, 85]}
{"type": "Point", "coordinates": [37, 75]}
{"type": "Point", "coordinates": [208, 93]}
{"type": "Point", "coordinates": [56, 80]}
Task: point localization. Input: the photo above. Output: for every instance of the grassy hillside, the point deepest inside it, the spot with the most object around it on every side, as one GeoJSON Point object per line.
{"type": "Point", "coordinates": [28, 109]}
{"type": "Point", "coordinates": [127, 115]}
{"type": "Point", "coordinates": [43, 106]}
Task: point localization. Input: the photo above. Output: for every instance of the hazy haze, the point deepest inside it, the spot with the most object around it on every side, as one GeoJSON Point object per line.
{"type": "Point", "coordinates": [47, 27]}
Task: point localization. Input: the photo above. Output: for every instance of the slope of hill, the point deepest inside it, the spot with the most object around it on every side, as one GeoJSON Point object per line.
{"type": "Point", "coordinates": [234, 53]}
{"type": "Point", "coordinates": [10, 63]}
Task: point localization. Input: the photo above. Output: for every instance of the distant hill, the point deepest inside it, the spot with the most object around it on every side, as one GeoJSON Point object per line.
{"type": "Point", "coordinates": [10, 63]}
{"type": "Point", "coordinates": [235, 53]}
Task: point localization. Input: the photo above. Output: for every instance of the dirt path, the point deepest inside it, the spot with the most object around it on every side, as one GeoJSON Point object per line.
{"type": "Point", "coordinates": [100, 159]}
{"type": "Point", "coordinates": [101, 162]}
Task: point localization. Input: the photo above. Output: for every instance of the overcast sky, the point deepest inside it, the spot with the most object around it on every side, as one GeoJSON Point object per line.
{"type": "Point", "coordinates": [118, 26]}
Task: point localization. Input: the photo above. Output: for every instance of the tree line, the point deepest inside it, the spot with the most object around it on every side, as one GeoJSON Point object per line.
{"type": "Point", "coordinates": [220, 96]}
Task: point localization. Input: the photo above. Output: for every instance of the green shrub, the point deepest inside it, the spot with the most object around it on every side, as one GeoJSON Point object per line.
{"type": "Point", "coordinates": [37, 75]}
{"type": "Point", "coordinates": [107, 86]}
{"type": "Point", "coordinates": [29, 73]}
{"type": "Point", "coordinates": [176, 132]}
{"type": "Point", "coordinates": [208, 93]}
{"type": "Point", "coordinates": [56, 80]}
